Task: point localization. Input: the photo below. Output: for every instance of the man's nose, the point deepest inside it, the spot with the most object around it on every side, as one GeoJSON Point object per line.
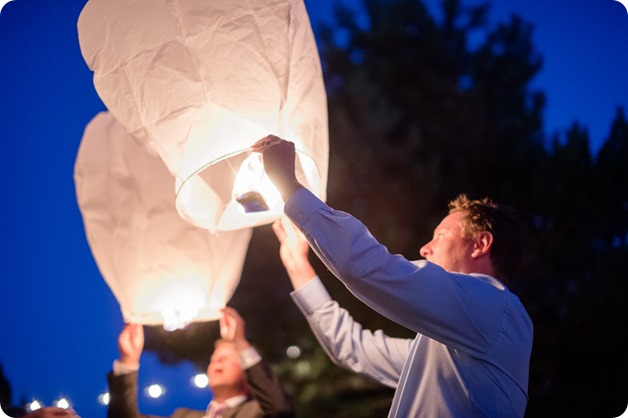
{"type": "Point", "coordinates": [425, 250]}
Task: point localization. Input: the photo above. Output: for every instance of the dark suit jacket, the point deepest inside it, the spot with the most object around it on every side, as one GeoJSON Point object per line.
{"type": "Point", "coordinates": [268, 398]}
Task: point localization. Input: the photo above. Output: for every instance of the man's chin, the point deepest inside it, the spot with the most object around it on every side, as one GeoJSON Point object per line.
{"type": "Point", "coordinates": [217, 384]}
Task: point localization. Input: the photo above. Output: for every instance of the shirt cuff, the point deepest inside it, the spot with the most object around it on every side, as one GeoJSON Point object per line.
{"type": "Point", "coordinates": [121, 368]}
{"type": "Point", "coordinates": [310, 296]}
{"type": "Point", "coordinates": [249, 357]}
{"type": "Point", "coordinates": [301, 205]}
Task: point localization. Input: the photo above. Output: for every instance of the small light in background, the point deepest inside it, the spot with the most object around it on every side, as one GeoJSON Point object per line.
{"type": "Point", "coordinates": [302, 368]}
{"type": "Point", "coordinates": [62, 403]}
{"type": "Point", "coordinates": [155, 391]}
{"type": "Point", "coordinates": [293, 352]}
{"type": "Point", "coordinates": [103, 398]}
{"type": "Point", "coordinates": [34, 405]}
{"type": "Point", "coordinates": [200, 380]}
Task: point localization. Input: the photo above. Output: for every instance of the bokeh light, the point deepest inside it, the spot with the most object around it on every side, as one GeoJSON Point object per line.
{"type": "Point", "coordinates": [200, 380]}
{"type": "Point", "coordinates": [62, 403]}
{"type": "Point", "coordinates": [103, 398]}
{"type": "Point", "coordinates": [293, 352]}
{"type": "Point", "coordinates": [33, 405]}
{"type": "Point", "coordinates": [155, 391]}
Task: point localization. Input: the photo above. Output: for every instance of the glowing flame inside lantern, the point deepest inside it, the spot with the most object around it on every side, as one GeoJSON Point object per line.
{"type": "Point", "coordinates": [216, 197]}
{"type": "Point", "coordinates": [174, 320]}
{"type": "Point", "coordinates": [252, 187]}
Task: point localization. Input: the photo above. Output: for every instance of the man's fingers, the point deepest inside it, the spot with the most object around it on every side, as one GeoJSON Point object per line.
{"type": "Point", "coordinates": [279, 230]}
{"type": "Point", "coordinates": [227, 323]}
{"type": "Point", "coordinates": [289, 229]}
{"type": "Point", "coordinates": [224, 327]}
{"type": "Point", "coordinates": [264, 142]}
{"type": "Point", "coordinates": [131, 328]}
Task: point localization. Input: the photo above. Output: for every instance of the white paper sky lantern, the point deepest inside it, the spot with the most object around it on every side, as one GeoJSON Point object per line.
{"type": "Point", "coordinates": [161, 269]}
{"type": "Point", "coordinates": [199, 81]}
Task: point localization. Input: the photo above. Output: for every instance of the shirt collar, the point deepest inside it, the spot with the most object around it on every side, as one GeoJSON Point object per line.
{"type": "Point", "coordinates": [233, 401]}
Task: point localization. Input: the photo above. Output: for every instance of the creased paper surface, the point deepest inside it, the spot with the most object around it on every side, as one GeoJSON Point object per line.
{"type": "Point", "coordinates": [152, 259]}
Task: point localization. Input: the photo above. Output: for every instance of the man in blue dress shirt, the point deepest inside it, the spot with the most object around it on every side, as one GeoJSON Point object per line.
{"type": "Point", "coordinates": [471, 353]}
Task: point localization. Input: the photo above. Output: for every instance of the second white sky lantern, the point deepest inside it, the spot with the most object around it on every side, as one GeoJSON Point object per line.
{"type": "Point", "coordinates": [161, 269]}
{"type": "Point", "coordinates": [198, 82]}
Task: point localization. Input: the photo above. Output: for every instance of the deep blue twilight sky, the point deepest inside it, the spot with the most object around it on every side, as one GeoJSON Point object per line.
{"type": "Point", "coordinates": [58, 320]}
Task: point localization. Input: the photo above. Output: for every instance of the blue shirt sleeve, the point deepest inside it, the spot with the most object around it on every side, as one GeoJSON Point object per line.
{"type": "Point", "coordinates": [462, 311]}
{"type": "Point", "coordinates": [372, 354]}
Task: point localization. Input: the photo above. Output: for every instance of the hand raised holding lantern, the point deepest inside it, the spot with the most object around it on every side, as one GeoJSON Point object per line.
{"type": "Point", "coordinates": [233, 327]}
{"type": "Point", "coordinates": [131, 344]}
{"type": "Point", "coordinates": [279, 156]}
{"type": "Point", "coordinates": [293, 252]}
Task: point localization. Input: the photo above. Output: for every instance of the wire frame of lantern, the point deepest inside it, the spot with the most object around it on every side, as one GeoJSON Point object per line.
{"type": "Point", "coordinates": [198, 82]}
{"type": "Point", "coordinates": [160, 268]}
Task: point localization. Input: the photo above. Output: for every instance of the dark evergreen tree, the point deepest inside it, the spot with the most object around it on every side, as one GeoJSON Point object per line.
{"type": "Point", "coordinates": [612, 184]}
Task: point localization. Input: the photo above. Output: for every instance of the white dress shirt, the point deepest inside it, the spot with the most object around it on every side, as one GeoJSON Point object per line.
{"type": "Point", "coordinates": [471, 354]}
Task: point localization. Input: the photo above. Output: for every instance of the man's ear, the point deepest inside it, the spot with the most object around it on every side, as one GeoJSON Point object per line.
{"type": "Point", "coordinates": [482, 244]}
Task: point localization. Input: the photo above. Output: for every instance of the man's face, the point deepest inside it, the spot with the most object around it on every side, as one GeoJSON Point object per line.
{"type": "Point", "coordinates": [224, 368]}
{"type": "Point", "coordinates": [448, 249]}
